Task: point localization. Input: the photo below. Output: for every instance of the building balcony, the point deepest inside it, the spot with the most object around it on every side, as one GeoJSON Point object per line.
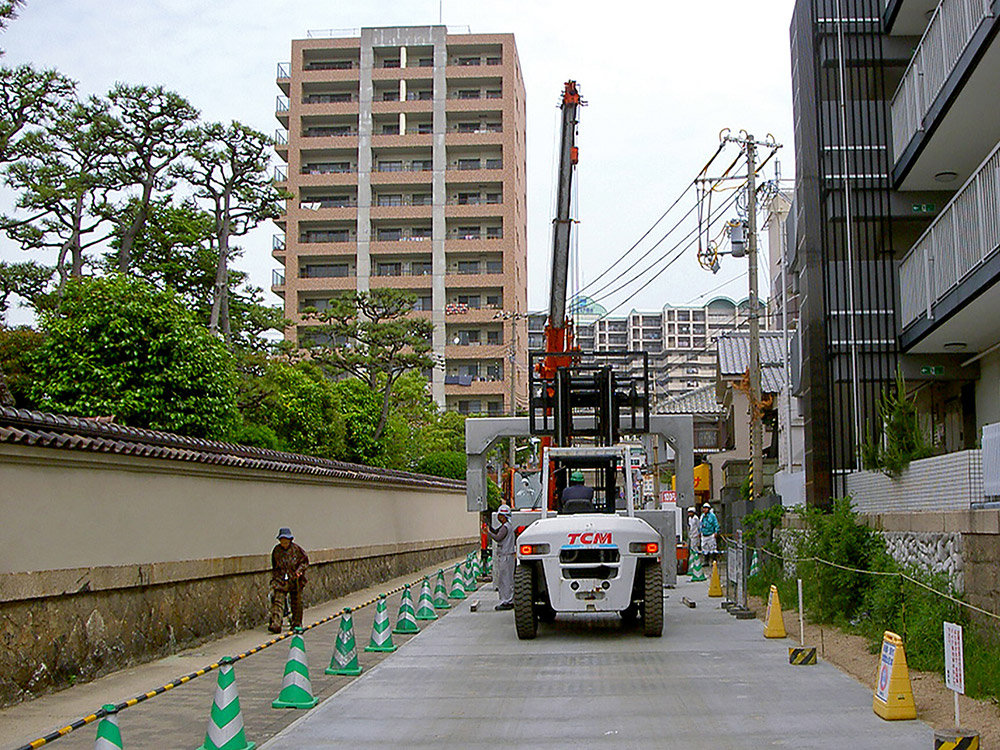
{"type": "Point", "coordinates": [283, 77]}
{"type": "Point", "coordinates": [949, 282]}
{"type": "Point", "coordinates": [409, 140]}
{"type": "Point", "coordinates": [317, 109]}
{"type": "Point", "coordinates": [401, 281]}
{"type": "Point", "coordinates": [328, 75]}
{"type": "Point", "coordinates": [481, 386]}
{"type": "Point", "coordinates": [951, 81]}
{"type": "Point", "coordinates": [421, 211]}
{"type": "Point", "coordinates": [486, 173]}
{"type": "Point", "coordinates": [403, 177]}
{"type": "Point", "coordinates": [408, 106]}
{"type": "Point", "coordinates": [327, 143]}
{"type": "Point", "coordinates": [281, 106]}
{"type": "Point", "coordinates": [278, 282]}
{"type": "Point", "coordinates": [321, 179]}
{"type": "Point", "coordinates": [404, 245]}
{"type": "Point", "coordinates": [476, 351]}
{"type": "Point", "coordinates": [472, 280]}
{"type": "Point", "coordinates": [306, 212]}
{"type": "Point", "coordinates": [326, 283]}
{"type": "Point", "coordinates": [472, 315]}
{"type": "Point", "coordinates": [482, 210]}
{"type": "Point", "coordinates": [281, 174]}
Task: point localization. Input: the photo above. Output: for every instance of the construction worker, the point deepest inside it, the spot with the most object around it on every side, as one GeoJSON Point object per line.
{"type": "Point", "coordinates": [709, 528]}
{"type": "Point", "coordinates": [288, 575]}
{"type": "Point", "coordinates": [694, 532]}
{"type": "Point", "coordinates": [503, 564]}
{"type": "Point", "coordinates": [577, 490]}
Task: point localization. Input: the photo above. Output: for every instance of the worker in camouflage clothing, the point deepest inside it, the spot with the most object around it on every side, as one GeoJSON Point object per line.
{"type": "Point", "coordinates": [288, 575]}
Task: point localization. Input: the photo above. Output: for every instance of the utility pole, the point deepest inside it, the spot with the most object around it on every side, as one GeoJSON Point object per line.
{"type": "Point", "coordinates": [756, 434]}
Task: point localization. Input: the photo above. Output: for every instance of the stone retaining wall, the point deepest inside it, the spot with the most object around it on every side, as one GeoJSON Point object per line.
{"type": "Point", "coordinates": [52, 641]}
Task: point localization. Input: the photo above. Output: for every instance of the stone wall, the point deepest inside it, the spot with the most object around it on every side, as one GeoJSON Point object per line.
{"type": "Point", "coordinates": [52, 641]}
{"type": "Point", "coordinates": [939, 552]}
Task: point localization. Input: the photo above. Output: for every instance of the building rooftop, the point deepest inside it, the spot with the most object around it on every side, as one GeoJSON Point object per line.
{"type": "Point", "coordinates": [734, 358]}
{"type": "Point", "coordinates": [698, 401]}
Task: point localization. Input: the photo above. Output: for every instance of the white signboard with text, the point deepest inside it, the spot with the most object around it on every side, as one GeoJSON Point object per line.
{"type": "Point", "coordinates": [954, 658]}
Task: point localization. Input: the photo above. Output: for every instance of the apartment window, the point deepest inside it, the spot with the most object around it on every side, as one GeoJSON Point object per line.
{"type": "Point", "coordinates": [494, 337]}
{"type": "Point", "coordinates": [654, 347]}
{"type": "Point", "coordinates": [671, 342]}
{"type": "Point", "coordinates": [469, 61]}
{"type": "Point", "coordinates": [698, 328]}
{"type": "Point", "coordinates": [536, 341]}
{"type": "Point", "coordinates": [327, 130]}
{"type": "Point", "coordinates": [468, 267]}
{"type": "Point", "coordinates": [494, 300]}
{"type": "Point", "coordinates": [327, 201]}
{"type": "Point", "coordinates": [697, 315]}
{"type": "Point", "coordinates": [494, 163]}
{"type": "Point", "coordinates": [494, 94]}
{"type": "Point", "coordinates": [393, 234]}
{"type": "Point", "coordinates": [423, 95]}
{"type": "Point", "coordinates": [468, 94]}
{"type": "Point", "coordinates": [422, 165]}
{"type": "Point", "coordinates": [469, 163]}
{"type": "Point", "coordinates": [691, 370]}
{"type": "Point", "coordinates": [469, 371]}
{"type": "Point", "coordinates": [494, 266]}
{"type": "Point", "coordinates": [493, 61]}
{"type": "Point", "coordinates": [684, 328]}
{"type": "Point", "coordinates": [670, 314]}
{"type": "Point", "coordinates": [327, 98]}
{"type": "Point", "coordinates": [683, 342]}
{"type": "Point", "coordinates": [425, 127]}
{"type": "Point", "coordinates": [390, 96]}
{"type": "Point", "coordinates": [325, 270]}
{"type": "Point", "coordinates": [468, 198]}
{"type": "Point", "coordinates": [421, 268]}
{"type": "Point", "coordinates": [329, 167]}
{"type": "Point", "coordinates": [469, 407]}
{"type": "Point", "coordinates": [391, 62]}
{"type": "Point", "coordinates": [389, 269]}
{"type": "Point", "coordinates": [426, 62]}
{"type": "Point", "coordinates": [494, 233]}
{"type": "Point", "coordinates": [329, 65]}
{"type": "Point", "coordinates": [390, 166]}
{"type": "Point", "coordinates": [424, 303]}
{"type": "Point", "coordinates": [390, 129]}
{"type": "Point", "coordinates": [395, 199]}
{"type": "Point", "coordinates": [420, 233]}
{"type": "Point", "coordinates": [494, 198]}
{"type": "Point", "coordinates": [494, 371]}
{"type": "Point", "coordinates": [494, 408]}
{"type": "Point", "coordinates": [326, 235]}
{"type": "Point", "coordinates": [468, 127]}
{"type": "Point", "coordinates": [467, 338]}
{"type": "Point", "coordinates": [472, 300]}
{"type": "Point", "coordinates": [683, 315]}
{"type": "Point", "coordinates": [494, 127]}
{"type": "Point", "coordinates": [421, 199]}
{"type": "Point", "coordinates": [468, 233]}
{"type": "Point", "coordinates": [699, 342]}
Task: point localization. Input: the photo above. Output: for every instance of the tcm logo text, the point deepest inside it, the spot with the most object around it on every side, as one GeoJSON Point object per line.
{"type": "Point", "coordinates": [590, 537]}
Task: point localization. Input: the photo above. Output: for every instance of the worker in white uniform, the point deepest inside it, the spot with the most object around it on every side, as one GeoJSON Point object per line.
{"type": "Point", "coordinates": [503, 564]}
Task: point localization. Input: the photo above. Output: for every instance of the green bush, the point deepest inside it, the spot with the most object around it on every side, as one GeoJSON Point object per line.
{"type": "Point", "coordinates": [449, 464]}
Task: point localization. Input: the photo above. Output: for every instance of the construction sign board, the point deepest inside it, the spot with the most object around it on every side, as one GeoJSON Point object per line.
{"type": "Point", "coordinates": [954, 658]}
{"type": "Point", "coordinates": [885, 671]}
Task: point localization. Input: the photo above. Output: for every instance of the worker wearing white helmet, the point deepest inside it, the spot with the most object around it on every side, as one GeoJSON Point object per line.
{"type": "Point", "coordinates": [503, 565]}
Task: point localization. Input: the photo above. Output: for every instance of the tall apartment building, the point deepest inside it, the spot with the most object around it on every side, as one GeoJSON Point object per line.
{"type": "Point", "coordinates": [405, 151]}
{"type": "Point", "coordinates": [895, 217]}
{"type": "Point", "coordinates": [680, 341]}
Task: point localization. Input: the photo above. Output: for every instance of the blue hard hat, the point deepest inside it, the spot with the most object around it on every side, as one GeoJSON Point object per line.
{"type": "Point", "coordinates": [285, 533]}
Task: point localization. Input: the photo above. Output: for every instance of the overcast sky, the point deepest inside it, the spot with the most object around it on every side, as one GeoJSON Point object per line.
{"type": "Point", "coordinates": [661, 79]}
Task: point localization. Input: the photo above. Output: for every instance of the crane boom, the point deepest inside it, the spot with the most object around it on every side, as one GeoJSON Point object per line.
{"type": "Point", "coordinates": [556, 330]}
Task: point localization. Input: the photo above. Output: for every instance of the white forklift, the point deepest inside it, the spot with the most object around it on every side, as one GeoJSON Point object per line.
{"type": "Point", "coordinates": [588, 557]}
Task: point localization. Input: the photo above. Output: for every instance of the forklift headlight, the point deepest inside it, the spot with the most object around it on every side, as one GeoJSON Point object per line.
{"type": "Point", "coordinates": [644, 548]}
{"type": "Point", "coordinates": [534, 549]}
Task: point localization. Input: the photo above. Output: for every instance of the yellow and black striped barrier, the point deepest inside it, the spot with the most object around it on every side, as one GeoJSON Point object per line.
{"type": "Point", "coordinates": [956, 739]}
{"type": "Point", "coordinates": [802, 656]}
{"type": "Point", "coordinates": [102, 712]}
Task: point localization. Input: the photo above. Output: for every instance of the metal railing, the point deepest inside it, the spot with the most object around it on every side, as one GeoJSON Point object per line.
{"type": "Point", "coordinates": [277, 277]}
{"type": "Point", "coordinates": [961, 238]}
{"type": "Point", "coordinates": [281, 173]}
{"type": "Point", "coordinates": [949, 32]}
{"type": "Point", "coordinates": [280, 137]}
{"type": "Point", "coordinates": [281, 104]}
{"type": "Point", "coordinates": [278, 242]}
{"type": "Point", "coordinates": [284, 70]}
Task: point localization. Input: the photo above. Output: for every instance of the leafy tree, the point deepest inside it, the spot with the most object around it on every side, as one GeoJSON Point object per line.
{"type": "Point", "coordinates": [65, 178]}
{"type": "Point", "coordinates": [359, 406]}
{"type": "Point", "coordinates": [369, 336]}
{"type": "Point", "coordinates": [449, 464]}
{"type": "Point", "coordinates": [29, 97]}
{"type": "Point", "coordinates": [8, 11]}
{"type": "Point", "coordinates": [290, 406]}
{"type": "Point", "coordinates": [445, 433]}
{"type": "Point", "coordinates": [17, 346]}
{"type": "Point", "coordinates": [115, 345]}
{"type": "Point", "coordinates": [27, 280]}
{"type": "Point", "coordinates": [152, 129]}
{"type": "Point", "coordinates": [228, 168]}
{"type": "Point", "coordinates": [175, 250]}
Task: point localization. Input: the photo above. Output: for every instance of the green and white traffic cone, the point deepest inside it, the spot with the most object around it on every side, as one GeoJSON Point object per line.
{"type": "Point", "coordinates": [425, 606]}
{"type": "Point", "coordinates": [441, 593]}
{"type": "Point", "coordinates": [406, 622]}
{"type": "Point", "coordinates": [457, 589]}
{"type": "Point", "coordinates": [468, 581]}
{"type": "Point", "coordinates": [754, 565]}
{"type": "Point", "coordinates": [109, 736]}
{"type": "Point", "coordinates": [345, 652]}
{"type": "Point", "coordinates": [695, 573]}
{"type": "Point", "coordinates": [381, 639]}
{"type": "Point", "coordinates": [225, 725]}
{"type": "Point", "coordinates": [296, 689]}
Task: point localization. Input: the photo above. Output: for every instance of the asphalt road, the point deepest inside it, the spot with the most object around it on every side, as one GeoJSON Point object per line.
{"type": "Point", "coordinates": [710, 682]}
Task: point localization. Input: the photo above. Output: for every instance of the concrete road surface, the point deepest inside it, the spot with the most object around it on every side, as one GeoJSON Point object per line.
{"type": "Point", "coordinates": [711, 682]}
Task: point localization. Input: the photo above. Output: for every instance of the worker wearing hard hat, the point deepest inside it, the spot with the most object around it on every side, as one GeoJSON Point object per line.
{"type": "Point", "coordinates": [577, 490]}
{"type": "Point", "coordinates": [503, 565]}
{"type": "Point", "coordinates": [709, 528]}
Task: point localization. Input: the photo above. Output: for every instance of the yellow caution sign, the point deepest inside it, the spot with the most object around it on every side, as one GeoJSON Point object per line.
{"type": "Point", "coordinates": [774, 624]}
{"type": "Point", "coordinates": [714, 586]}
{"type": "Point", "coordinates": [956, 739]}
{"type": "Point", "coordinates": [802, 656]}
{"type": "Point", "coordinates": [893, 694]}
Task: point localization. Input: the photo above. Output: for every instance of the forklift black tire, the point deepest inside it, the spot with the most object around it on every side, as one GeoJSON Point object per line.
{"type": "Point", "coordinates": [525, 617]}
{"type": "Point", "coordinates": [652, 615]}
